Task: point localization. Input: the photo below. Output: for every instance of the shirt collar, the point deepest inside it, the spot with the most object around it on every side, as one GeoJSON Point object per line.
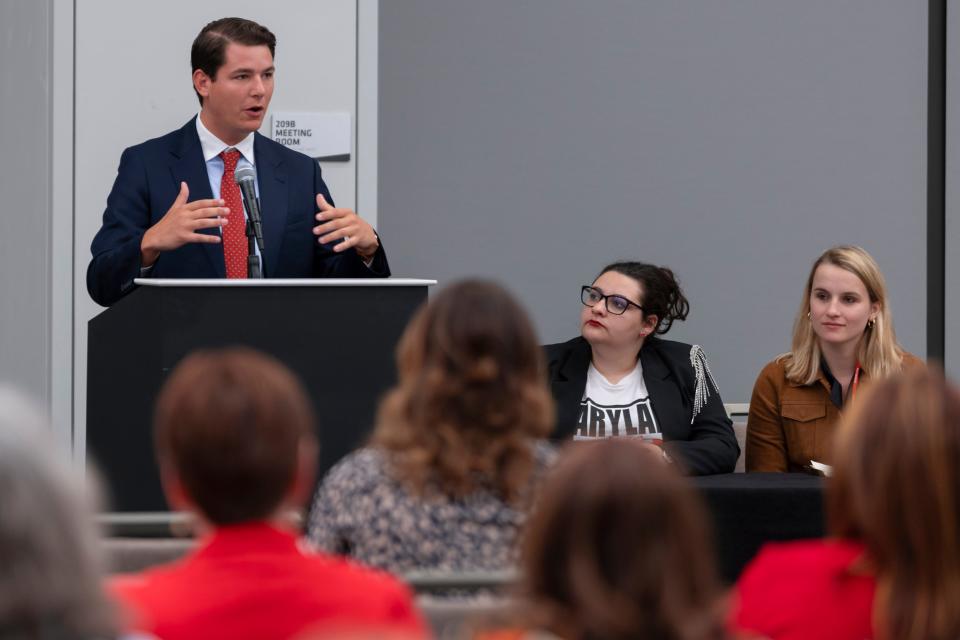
{"type": "Point", "coordinates": [213, 146]}
{"type": "Point", "coordinates": [239, 539]}
{"type": "Point", "coordinates": [833, 385]}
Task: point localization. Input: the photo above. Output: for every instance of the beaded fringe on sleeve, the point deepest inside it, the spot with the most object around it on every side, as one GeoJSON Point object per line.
{"type": "Point", "coordinates": [701, 371]}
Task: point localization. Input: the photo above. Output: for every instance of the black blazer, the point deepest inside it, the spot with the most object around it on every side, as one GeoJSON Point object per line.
{"type": "Point", "coordinates": [703, 444]}
{"type": "Point", "coordinates": [148, 182]}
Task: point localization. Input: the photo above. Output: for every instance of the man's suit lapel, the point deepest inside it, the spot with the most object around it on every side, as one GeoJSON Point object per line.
{"type": "Point", "coordinates": [272, 183]}
{"type": "Point", "coordinates": [665, 395]}
{"type": "Point", "coordinates": [568, 385]}
{"type": "Point", "coordinates": [188, 166]}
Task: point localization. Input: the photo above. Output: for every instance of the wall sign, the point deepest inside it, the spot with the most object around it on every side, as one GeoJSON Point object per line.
{"type": "Point", "coordinates": [324, 136]}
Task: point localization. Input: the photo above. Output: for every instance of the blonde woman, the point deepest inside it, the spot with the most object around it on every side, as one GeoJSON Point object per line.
{"type": "Point", "coordinates": [843, 338]}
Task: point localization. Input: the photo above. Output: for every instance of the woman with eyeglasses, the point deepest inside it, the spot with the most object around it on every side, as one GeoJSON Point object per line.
{"type": "Point", "coordinates": [620, 379]}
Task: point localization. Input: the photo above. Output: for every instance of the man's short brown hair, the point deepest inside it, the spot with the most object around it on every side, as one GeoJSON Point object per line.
{"type": "Point", "coordinates": [209, 47]}
{"type": "Point", "coordinates": [230, 424]}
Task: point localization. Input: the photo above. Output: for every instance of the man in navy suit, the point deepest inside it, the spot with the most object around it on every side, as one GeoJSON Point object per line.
{"type": "Point", "coordinates": [165, 217]}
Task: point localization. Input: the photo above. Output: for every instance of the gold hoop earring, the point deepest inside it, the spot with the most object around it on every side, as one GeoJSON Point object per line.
{"type": "Point", "coordinates": [871, 323]}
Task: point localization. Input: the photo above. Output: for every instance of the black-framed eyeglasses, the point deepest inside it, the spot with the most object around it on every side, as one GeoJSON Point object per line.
{"type": "Point", "coordinates": [617, 305]}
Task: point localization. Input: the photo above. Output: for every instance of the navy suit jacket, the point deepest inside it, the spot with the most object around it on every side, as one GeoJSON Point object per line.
{"type": "Point", "coordinates": [703, 444]}
{"type": "Point", "coordinates": [148, 182]}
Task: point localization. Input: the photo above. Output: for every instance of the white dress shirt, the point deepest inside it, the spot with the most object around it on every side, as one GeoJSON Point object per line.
{"type": "Point", "coordinates": [212, 147]}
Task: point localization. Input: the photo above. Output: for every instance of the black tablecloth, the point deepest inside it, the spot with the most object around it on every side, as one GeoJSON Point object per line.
{"type": "Point", "coordinates": [750, 509]}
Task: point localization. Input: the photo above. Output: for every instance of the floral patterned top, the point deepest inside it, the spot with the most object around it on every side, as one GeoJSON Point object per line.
{"type": "Point", "coordinates": [362, 511]}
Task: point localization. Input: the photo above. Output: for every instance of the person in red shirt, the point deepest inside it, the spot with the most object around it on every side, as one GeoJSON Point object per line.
{"type": "Point", "coordinates": [891, 569]}
{"type": "Point", "coordinates": [810, 589]}
{"type": "Point", "coordinates": [235, 445]}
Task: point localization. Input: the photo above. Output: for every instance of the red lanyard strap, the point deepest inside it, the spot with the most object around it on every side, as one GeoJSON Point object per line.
{"type": "Point", "coordinates": [856, 380]}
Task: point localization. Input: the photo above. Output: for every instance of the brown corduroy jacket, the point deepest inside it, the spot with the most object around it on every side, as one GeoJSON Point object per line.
{"type": "Point", "coordinates": [791, 424]}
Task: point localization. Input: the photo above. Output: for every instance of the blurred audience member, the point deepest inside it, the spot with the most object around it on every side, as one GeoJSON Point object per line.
{"type": "Point", "coordinates": [619, 547]}
{"type": "Point", "coordinates": [458, 447]}
{"type": "Point", "coordinates": [892, 567]}
{"type": "Point", "coordinates": [235, 443]}
{"type": "Point", "coordinates": [50, 569]}
{"type": "Point", "coordinates": [842, 338]}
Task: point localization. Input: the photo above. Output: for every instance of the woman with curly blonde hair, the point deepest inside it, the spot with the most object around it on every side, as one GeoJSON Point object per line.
{"type": "Point", "coordinates": [458, 447]}
{"type": "Point", "coordinates": [843, 337]}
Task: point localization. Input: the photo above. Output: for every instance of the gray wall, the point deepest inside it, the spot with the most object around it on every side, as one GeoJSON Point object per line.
{"type": "Point", "coordinates": [952, 199]}
{"type": "Point", "coordinates": [25, 187]}
{"type": "Point", "coordinates": [733, 140]}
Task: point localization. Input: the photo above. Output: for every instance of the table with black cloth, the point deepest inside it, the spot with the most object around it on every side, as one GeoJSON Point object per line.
{"type": "Point", "coordinates": [750, 509]}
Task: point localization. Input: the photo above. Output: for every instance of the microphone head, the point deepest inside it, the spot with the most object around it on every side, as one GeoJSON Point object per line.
{"type": "Point", "coordinates": [244, 174]}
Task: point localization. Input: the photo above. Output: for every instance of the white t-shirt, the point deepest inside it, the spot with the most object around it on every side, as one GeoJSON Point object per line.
{"type": "Point", "coordinates": [614, 410]}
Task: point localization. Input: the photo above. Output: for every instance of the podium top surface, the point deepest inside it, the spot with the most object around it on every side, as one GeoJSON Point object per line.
{"type": "Point", "coordinates": [284, 282]}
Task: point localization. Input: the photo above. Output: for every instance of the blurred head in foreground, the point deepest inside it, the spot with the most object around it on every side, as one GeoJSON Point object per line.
{"type": "Point", "coordinates": [50, 569]}
{"type": "Point", "coordinates": [619, 547]}
{"type": "Point", "coordinates": [472, 394]}
{"type": "Point", "coordinates": [234, 437]}
{"type": "Point", "coordinates": [896, 489]}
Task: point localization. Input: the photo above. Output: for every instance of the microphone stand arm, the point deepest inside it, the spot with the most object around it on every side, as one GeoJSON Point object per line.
{"type": "Point", "coordinates": [253, 260]}
{"type": "Point", "coordinates": [254, 236]}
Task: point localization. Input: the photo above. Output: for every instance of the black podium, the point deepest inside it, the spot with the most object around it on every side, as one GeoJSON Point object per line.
{"type": "Point", "coordinates": [338, 336]}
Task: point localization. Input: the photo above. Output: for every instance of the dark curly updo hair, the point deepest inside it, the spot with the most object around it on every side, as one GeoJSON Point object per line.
{"type": "Point", "coordinates": [662, 295]}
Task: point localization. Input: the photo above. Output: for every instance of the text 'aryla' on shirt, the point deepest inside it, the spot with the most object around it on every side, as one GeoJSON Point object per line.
{"type": "Point", "coordinates": [616, 410]}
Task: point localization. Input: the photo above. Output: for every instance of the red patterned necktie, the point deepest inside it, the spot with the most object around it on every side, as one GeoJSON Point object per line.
{"type": "Point", "coordinates": [234, 234]}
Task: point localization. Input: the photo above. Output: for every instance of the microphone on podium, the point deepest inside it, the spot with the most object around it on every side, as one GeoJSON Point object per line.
{"type": "Point", "coordinates": [246, 178]}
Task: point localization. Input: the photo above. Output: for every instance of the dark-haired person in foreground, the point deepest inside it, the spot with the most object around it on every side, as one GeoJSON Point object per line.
{"type": "Point", "coordinates": [618, 548]}
{"type": "Point", "coordinates": [620, 379]}
{"type": "Point", "coordinates": [235, 445]}
{"type": "Point", "coordinates": [175, 210]}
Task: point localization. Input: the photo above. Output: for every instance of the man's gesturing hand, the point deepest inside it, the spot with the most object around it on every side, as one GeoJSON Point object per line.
{"type": "Point", "coordinates": [345, 223]}
{"type": "Point", "coordinates": [179, 226]}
